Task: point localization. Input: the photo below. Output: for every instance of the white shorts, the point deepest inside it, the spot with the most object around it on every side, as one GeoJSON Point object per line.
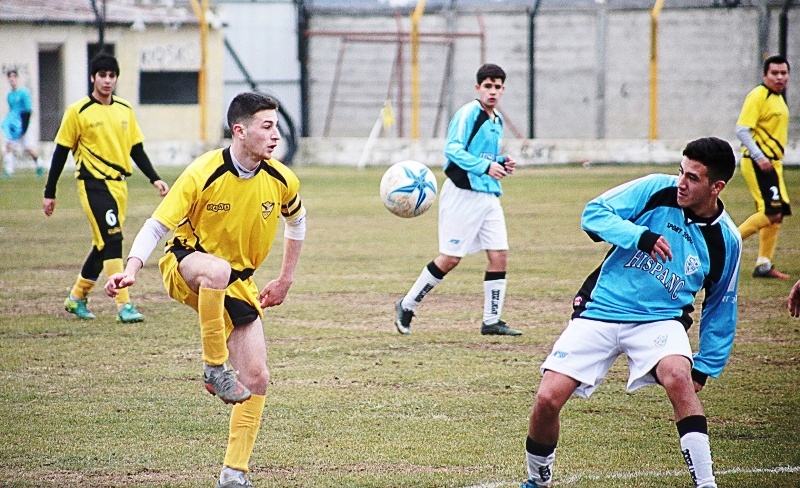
{"type": "Point", "coordinates": [587, 349]}
{"type": "Point", "coordinates": [470, 221]}
{"type": "Point", "coordinates": [22, 143]}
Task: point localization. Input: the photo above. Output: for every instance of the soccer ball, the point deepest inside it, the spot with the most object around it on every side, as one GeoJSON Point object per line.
{"type": "Point", "coordinates": [408, 189]}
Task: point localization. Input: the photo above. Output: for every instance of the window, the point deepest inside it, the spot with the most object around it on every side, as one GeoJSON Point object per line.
{"type": "Point", "coordinates": [168, 87]}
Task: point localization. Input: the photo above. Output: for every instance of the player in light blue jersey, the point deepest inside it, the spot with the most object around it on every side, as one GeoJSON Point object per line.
{"type": "Point", "coordinates": [670, 238]}
{"type": "Point", "coordinates": [471, 218]}
{"type": "Point", "coordinates": [15, 126]}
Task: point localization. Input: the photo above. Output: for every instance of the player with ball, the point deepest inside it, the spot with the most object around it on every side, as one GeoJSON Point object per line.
{"type": "Point", "coordinates": [471, 218]}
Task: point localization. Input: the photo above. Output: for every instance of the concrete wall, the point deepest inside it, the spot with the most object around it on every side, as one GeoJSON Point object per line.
{"type": "Point", "coordinates": [158, 122]}
{"type": "Point", "coordinates": [591, 71]}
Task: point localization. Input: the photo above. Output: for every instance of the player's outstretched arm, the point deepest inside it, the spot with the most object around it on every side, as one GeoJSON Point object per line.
{"type": "Point", "coordinates": [794, 300]}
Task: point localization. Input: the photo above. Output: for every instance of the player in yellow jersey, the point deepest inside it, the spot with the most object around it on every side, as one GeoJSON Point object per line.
{"type": "Point", "coordinates": [102, 133]}
{"type": "Point", "coordinates": [224, 210]}
{"type": "Point", "coordinates": [763, 129]}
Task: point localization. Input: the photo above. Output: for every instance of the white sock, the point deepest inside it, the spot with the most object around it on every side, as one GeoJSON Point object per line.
{"type": "Point", "coordinates": [39, 162]}
{"type": "Point", "coordinates": [9, 160]}
{"type": "Point", "coordinates": [421, 287]}
{"type": "Point", "coordinates": [494, 294]}
{"type": "Point", "coordinates": [762, 260]}
{"type": "Point", "coordinates": [540, 468]}
{"type": "Point", "coordinates": [696, 452]}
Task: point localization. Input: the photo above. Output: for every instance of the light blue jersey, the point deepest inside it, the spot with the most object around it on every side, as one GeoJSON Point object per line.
{"type": "Point", "coordinates": [474, 141]}
{"type": "Point", "coordinates": [629, 286]}
{"type": "Point", "coordinates": [15, 123]}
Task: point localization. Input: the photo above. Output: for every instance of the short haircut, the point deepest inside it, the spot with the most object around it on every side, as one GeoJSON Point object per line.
{"type": "Point", "coordinates": [715, 154]}
{"type": "Point", "coordinates": [490, 71]}
{"type": "Point", "coordinates": [103, 62]}
{"type": "Point", "coordinates": [245, 105]}
{"type": "Point", "coordinates": [777, 59]}
{"type": "Point", "coordinates": [12, 72]}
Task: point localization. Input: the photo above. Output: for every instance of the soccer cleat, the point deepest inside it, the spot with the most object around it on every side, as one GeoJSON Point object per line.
{"type": "Point", "coordinates": [233, 479]}
{"type": "Point", "coordinates": [78, 307]}
{"type": "Point", "coordinates": [529, 483]}
{"type": "Point", "coordinates": [224, 384]}
{"type": "Point", "coordinates": [402, 319]}
{"type": "Point", "coordinates": [499, 328]}
{"type": "Point", "coordinates": [768, 271]}
{"type": "Point", "coordinates": [39, 171]}
{"type": "Point", "coordinates": [128, 314]}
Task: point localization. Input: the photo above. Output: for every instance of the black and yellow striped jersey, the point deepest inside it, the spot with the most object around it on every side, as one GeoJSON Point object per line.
{"type": "Point", "coordinates": [213, 210]}
{"type": "Point", "coordinates": [767, 115]}
{"type": "Point", "coordinates": [101, 137]}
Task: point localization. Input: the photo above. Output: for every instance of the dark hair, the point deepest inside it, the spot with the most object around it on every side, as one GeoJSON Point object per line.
{"type": "Point", "coordinates": [777, 59]}
{"type": "Point", "coordinates": [103, 62]}
{"type": "Point", "coordinates": [245, 105]}
{"type": "Point", "coordinates": [715, 154]}
{"type": "Point", "coordinates": [12, 71]}
{"type": "Point", "coordinates": [490, 71]}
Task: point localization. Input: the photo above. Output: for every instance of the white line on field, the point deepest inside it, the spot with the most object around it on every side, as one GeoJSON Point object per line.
{"type": "Point", "coordinates": [644, 474]}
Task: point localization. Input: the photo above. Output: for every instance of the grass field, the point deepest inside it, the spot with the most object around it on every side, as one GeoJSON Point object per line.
{"type": "Point", "coordinates": [352, 403]}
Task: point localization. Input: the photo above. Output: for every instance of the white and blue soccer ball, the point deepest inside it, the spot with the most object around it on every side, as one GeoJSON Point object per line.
{"type": "Point", "coordinates": [408, 189]}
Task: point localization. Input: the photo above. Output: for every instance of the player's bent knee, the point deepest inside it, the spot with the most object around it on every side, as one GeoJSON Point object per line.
{"type": "Point", "coordinates": [257, 380]}
{"type": "Point", "coordinates": [549, 401]}
{"type": "Point", "coordinates": [675, 376]}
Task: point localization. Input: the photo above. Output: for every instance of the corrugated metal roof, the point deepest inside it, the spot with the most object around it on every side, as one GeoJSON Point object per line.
{"type": "Point", "coordinates": [124, 12]}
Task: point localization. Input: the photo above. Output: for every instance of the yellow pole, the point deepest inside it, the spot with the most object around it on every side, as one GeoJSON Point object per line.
{"type": "Point", "coordinates": [654, 68]}
{"type": "Point", "coordinates": [200, 12]}
{"type": "Point", "coordinates": [415, 18]}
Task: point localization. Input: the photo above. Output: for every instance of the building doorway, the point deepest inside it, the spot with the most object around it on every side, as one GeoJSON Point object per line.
{"type": "Point", "coordinates": [51, 91]}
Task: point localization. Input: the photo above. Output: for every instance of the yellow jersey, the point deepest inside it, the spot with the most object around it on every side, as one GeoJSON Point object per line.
{"type": "Point", "coordinates": [100, 137]}
{"type": "Point", "coordinates": [767, 115]}
{"type": "Point", "coordinates": [213, 210]}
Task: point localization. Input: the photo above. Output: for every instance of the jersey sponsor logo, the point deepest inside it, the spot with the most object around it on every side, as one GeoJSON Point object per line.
{"type": "Point", "coordinates": [96, 124]}
{"type": "Point", "coordinates": [680, 231]}
{"type": "Point", "coordinates": [266, 209]}
{"type": "Point", "coordinates": [671, 281]}
{"type": "Point", "coordinates": [692, 265]}
{"type": "Point", "coordinates": [218, 207]}
{"type": "Point", "coordinates": [661, 340]}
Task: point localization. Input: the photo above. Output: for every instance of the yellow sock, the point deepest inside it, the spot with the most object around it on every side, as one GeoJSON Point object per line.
{"type": "Point", "coordinates": [82, 288]}
{"type": "Point", "coordinates": [111, 266]}
{"type": "Point", "coordinates": [211, 308]}
{"type": "Point", "coordinates": [753, 224]}
{"type": "Point", "coordinates": [767, 240]}
{"type": "Point", "coordinates": [245, 421]}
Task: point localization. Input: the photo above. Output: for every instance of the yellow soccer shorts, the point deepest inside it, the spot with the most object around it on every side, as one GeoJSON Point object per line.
{"type": "Point", "coordinates": [241, 296]}
{"type": "Point", "coordinates": [105, 203]}
{"type": "Point", "coordinates": [767, 188]}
